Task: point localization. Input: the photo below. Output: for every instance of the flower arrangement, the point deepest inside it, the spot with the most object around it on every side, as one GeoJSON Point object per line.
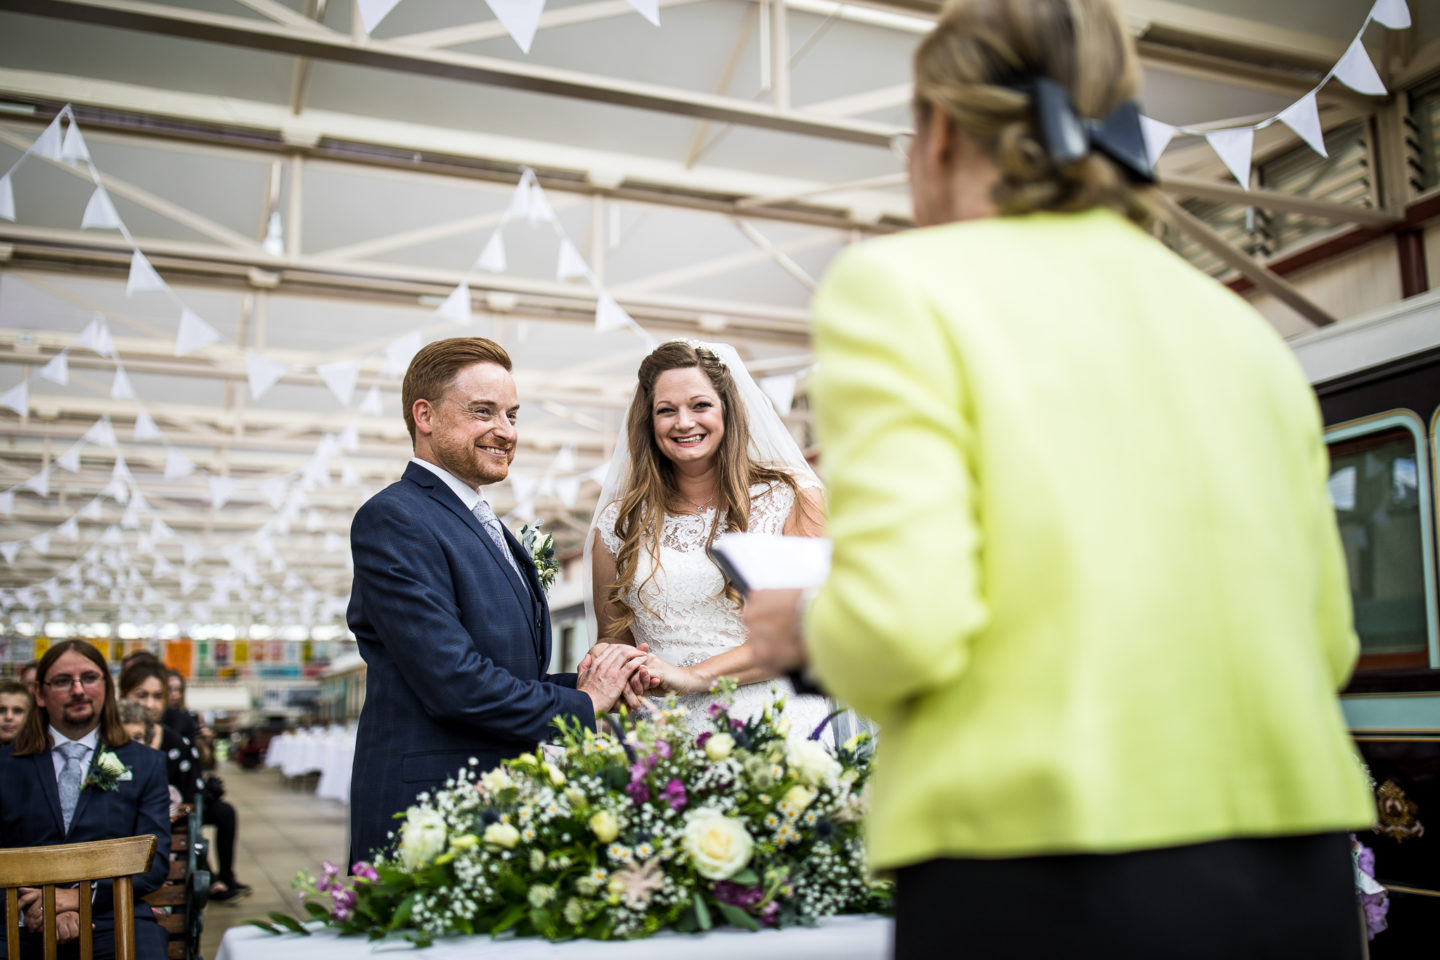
{"type": "Point", "coordinates": [106, 772]}
{"type": "Point", "coordinates": [540, 548]}
{"type": "Point", "coordinates": [623, 833]}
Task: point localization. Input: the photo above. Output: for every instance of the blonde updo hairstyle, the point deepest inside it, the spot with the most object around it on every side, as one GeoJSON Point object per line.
{"type": "Point", "coordinates": [973, 66]}
{"type": "Point", "coordinates": [650, 490]}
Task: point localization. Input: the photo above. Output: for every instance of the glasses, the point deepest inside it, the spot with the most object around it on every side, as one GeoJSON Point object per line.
{"type": "Point", "coordinates": [87, 680]}
{"type": "Point", "coordinates": [900, 145]}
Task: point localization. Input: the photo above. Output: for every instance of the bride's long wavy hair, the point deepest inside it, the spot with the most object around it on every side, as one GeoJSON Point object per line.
{"type": "Point", "coordinates": [650, 489]}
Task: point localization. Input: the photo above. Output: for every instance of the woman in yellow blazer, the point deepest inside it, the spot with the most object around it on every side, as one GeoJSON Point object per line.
{"type": "Point", "coordinates": [1086, 574]}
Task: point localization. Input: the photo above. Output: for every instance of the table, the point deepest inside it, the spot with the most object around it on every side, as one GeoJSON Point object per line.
{"type": "Point", "coordinates": [835, 938]}
{"type": "Point", "coordinates": [327, 752]}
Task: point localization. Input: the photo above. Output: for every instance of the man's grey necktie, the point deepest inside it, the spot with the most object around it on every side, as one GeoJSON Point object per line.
{"type": "Point", "coordinates": [491, 525]}
{"type": "Point", "coordinates": [71, 776]}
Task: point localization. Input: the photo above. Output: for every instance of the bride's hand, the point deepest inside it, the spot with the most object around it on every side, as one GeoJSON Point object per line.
{"type": "Point", "coordinates": [666, 677]}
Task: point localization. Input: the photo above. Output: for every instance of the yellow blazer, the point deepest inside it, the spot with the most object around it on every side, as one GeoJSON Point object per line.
{"type": "Point", "coordinates": [1086, 574]}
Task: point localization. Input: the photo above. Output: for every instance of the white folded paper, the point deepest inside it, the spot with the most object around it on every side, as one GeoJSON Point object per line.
{"type": "Point", "coordinates": [766, 561]}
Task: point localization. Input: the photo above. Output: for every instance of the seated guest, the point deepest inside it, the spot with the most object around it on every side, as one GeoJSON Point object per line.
{"type": "Point", "coordinates": [142, 729]}
{"type": "Point", "coordinates": [50, 794]}
{"type": "Point", "coordinates": [181, 719]}
{"type": "Point", "coordinates": [144, 682]}
{"type": "Point", "coordinates": [27, 675]}
{"type": "Point", "coordinates": [15, 703]}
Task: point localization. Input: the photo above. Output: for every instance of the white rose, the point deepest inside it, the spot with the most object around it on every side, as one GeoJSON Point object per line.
{"type": "Point", "coordinates": [496, 780]}
{"type": "Point", "coordinates": [812, 762]}
{"type": "Point", "coordinates": [557, 776]}
{"type": "Point", "coordinates": [502, 835]}
{"type": "Point", "coordinates": [109, 764]}
{"type": "Point", "coordinates": [800, 797]}
{"type": "Point", "coordinates": [719, 746]}
{"type": "Point", "coordinates": [421, 838]}
{"type": "Point", "coordinates": [604, 825]}
{"type": "Point", "coordinates": [719, 846]}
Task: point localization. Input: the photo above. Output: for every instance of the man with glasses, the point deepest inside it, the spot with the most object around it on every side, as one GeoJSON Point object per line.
{"type": "Point", "coordinates": [72, 775]}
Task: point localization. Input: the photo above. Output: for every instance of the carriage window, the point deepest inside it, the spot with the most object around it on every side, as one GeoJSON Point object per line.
{"type": "Point", "coordinates": [1375, 488]}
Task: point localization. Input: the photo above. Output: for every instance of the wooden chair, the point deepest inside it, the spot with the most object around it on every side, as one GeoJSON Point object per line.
{"type": "Point", "coordinates": [181, 901]}
{"type": "Point", "coordinates": [82, 863]}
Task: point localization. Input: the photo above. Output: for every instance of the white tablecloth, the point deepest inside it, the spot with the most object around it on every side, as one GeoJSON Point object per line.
{"type": "Point", "coordinates": [836, 938]}
{"type": "Point", "coordinates": [327, 752]}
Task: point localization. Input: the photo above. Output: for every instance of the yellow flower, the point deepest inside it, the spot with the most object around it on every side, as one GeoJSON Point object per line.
{"type": "Point", "coordinates": [799, 797]}
{"type": "Point", "coordinates": [464, 842]}
{"type": "Point", "coordinates": [502, 835]}
{"type": "Point", "coordinates": [604, 825]}
{"type": "Point", "coordinates": [557, 776]}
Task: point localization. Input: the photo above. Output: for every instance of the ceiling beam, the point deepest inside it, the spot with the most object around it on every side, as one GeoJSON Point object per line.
{"type": "Point", "coordinates": [515, 75]}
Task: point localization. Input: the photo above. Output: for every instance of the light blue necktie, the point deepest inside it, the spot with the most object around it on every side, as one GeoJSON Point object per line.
{"type": "Point", "coordinates": [70, 777]}
{"type": "Point", "coordinates": [491, 524]}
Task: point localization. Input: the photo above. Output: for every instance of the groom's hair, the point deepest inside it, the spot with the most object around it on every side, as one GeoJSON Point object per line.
{"type": "Point", "coordinates": [434, 368]}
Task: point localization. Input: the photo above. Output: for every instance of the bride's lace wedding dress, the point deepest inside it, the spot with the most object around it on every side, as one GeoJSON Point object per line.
{"type": "Point", "coordinates": [685, 617]}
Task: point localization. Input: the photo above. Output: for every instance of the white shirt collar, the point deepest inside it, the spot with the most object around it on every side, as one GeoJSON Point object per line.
{"type": "Point", "coordinates": [89, 740]}
{"type": "Point", "coordinates": [468, 495]}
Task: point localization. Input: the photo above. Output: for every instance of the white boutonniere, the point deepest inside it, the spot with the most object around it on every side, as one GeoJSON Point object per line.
{"type": "Point", "coordinates": [540, 548]}
{"type": "Point", "coordinates": [107, 771]}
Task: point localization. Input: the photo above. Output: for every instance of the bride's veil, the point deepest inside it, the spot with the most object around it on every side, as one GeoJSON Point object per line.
{"type": "Point", "coordinates": [770, 443]}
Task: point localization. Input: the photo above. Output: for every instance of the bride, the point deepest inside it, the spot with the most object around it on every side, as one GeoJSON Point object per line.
{"type": "Point", "coordinates": [703, 454]}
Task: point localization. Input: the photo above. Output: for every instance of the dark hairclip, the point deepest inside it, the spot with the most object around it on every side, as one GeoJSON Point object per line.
{"type": "Point", "coordinates": [1068, 136]}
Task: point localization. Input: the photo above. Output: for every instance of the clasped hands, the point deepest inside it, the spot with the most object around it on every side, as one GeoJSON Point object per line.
{"type": "Point", "coordinates": [614, 673]}
{"type": "Point", "coordinates": [67, 912]}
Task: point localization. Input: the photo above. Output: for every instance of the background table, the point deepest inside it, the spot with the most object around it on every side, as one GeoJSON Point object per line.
{"type": "Point", "coordinates": [835, 938]}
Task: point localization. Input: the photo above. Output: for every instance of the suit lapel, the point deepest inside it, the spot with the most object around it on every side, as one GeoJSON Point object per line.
{"type": "Point", "coordinates": [45, 772]}
{"type": "Point", "coordinates": [532, 580]}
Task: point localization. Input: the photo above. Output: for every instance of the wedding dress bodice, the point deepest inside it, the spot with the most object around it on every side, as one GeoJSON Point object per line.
{"type": "Point", "coordinates": [682, 612]}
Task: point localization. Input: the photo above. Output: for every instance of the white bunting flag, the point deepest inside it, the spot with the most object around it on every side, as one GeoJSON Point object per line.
{"type": "Point", "coordinates": [92, 510]}
{"type": "Point", "coordinates": [177, 465]}
{"type": "Point", "coordinates": [373, 11]}
{"type": "Point", "coordinates": [263, 373]}
{"type": "Point", "coordinates": [568, 490]}
{"type": "Point", "coordinates": [371, 405]}
{"type": "Point", "coordinates": [520, 200]}
{"type": "Point", "coordinates": [571, 264]}
{"type": "Point", "coordinates": [539, 210]}
{"type": "Point", "coordinates": [273, 490]}
{"type": "Point", "coordinates": [160, 530]}
{"type": "Point", "coordinates": [100, 212]}
{"type": "Point", "coordinates": [10, 550]}
{"type": "Point", "coordinates": [162, 568]}
{"type": "Point", "coordinates": [1234, 148]}
{"type": "Point", "coordinates": [564, 461]}
{"type": "Point", "coordinates": [349, 438]}
{"type": "Point", "coordinates": [17, 398]}
{"type": "Point", "coordinates": [1303, 116]}
{"type": "Point", "coordinates": [1157, 137]}
{"type": "Point", "coordinates": [649, 9]}
{"type": "Point", "coordinates": [70, 459]}
{"type": "Point", "coordinates": [40, 483]}
{"type": "Point", "coordinates": [781, 391]}
{"type": "Point", "coordinates": [221, 490]}
{"type": "Point", "coordinates": [609, 315]}
{"type": "Point", "coordinates": [49, 143]}
{"type": "Point", "coordinates": [349, 476]}
{"type": "Point", "coordinates": [111, 535]}
{"type": "Point", "coordinates": [101, 433]}
{"type": "Point", "coordinates": [142, 276]}
{"type": "Point", "coordinates": [188, 582]}
{"type": "Point", "coordinates": [145, 428]}
{"type": "Point", "coordinates": [70, 529]}
{"type": "Point", "coordinates": [41, 543]}
{"type": "Point", "coordinates": [492, 258]}
{"type": "Point", "coordinates": [73, 149]}
{"type": "Point", "coordinates": [192, 552]}
{"type": "Point", "coordinates": [96, 337]}
{"type": "Point", "coordinates": [1394, 14]}
{"type": "Point", "coordinates": [1357, 72]}
{"type": "Point", "coordinates": [193, 333]}
{"type": "Point", "coordinates": [340, 378]}
{"type": "Point", "coordinates": [57, 370]}
{"type": "Point", "coordinates": [455, 308]}
{"type": "Point", "coordinates": [399, 352]}
{"type": "Point", "coordinates": [7, 199]}
{"type": "Point", "coordinates": [519, 18]}
{"type": "Point", "coordinates": [7, 503]}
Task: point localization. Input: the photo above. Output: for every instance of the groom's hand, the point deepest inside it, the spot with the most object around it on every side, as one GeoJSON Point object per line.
{"type": "Point", "coordinates": [607, 672]}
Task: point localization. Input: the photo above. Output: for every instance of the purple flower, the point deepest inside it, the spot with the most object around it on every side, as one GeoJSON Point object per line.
{"type": "Point", "coordinates": [363, 871]}
{"type": "Point", "coordinates": [342, 904]}
{"type": "Point", "coordinates": [736, 895]}
{"type": "Point", "coordinates": [736, 724]}
{"type": "Point", "coordinates": [330, 879]}
{"type": "Point", "coordinates": [769, 914]}
{"type": "Point", "coordinates": [716, 709]}
{"type": "Point", "coordinates": [701, 740]}
{"type": "Point", "coordinates": [638, 792]}
{"type": "Point", "coordinates": [663, 749]}
{"type": "Point", "coordinates": [674, 794]}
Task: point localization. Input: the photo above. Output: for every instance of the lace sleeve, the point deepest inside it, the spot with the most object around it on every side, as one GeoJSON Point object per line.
{"type": "Point", "coordinates": [605, 524]}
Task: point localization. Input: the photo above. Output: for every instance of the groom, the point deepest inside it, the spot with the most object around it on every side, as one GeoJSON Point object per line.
{"type": "Point", "coordinates": [446, 607]}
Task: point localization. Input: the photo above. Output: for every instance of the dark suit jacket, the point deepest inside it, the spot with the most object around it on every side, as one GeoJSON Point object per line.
{"type": "Point", "coordinates": [456, 649]}
{"type": "Point", "coordinates": [30, 817]}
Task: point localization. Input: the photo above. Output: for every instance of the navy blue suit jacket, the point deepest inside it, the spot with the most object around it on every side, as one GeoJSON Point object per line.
{"type": "Point", "coordinates": [30, 817]}
{"type": "Point", "coordinates": [455, 648]}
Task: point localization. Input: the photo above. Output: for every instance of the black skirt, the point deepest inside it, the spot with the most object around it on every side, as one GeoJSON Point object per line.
{"type": "Point", "coordinates": [1270, 898]}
